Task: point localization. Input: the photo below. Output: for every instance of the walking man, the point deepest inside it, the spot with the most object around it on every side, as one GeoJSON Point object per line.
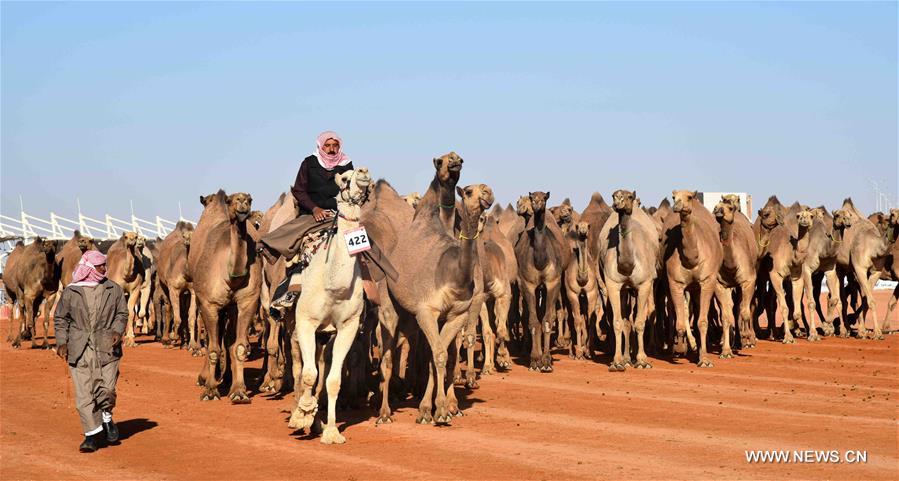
{"type": "Point", "coordinates": [90, 319]}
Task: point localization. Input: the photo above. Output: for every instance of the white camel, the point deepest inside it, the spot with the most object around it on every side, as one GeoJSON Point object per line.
{"type": "Point", "coordinates": [331, 299]}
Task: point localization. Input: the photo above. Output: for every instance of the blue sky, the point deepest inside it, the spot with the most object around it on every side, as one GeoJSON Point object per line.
{"type": "Point", "coordinates": [158, 103]}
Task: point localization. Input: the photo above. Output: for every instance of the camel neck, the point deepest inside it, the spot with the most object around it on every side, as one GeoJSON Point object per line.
{"type": "Point", "coordinates": [627, 258]}
{"type": "Point", "coordinates": [237, 255]}
{"type": "Point", "coordinates": [689, 242]}
{"type": "Point", "coordinates": [130, 260]}
{"type": "Point", "coordinates": [341, 266]}
{"type": "Point", "coordinates": [727, 232]}
{"type": "Point", "coordinates": [469, 239]}
{"type": "Point", "coordinates": [582, 261]}
{"type": "Point", "coordinates": [540, 219]}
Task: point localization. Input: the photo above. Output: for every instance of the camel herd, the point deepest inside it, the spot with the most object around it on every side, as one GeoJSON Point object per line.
{"type": "Point", "coordinates": [625, 280]}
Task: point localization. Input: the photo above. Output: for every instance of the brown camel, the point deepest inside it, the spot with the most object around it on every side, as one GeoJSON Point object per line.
{"type": "Point", "coordinates": [737, 273]}
{"type": "Point", "coordinates": [581, 283]}
{"type": "Point", "coordinates": [786, 250]}
{"type": "Point", "coordinates": [172, 275]}
{"type": "Point", "coordinates": [436, 275]}
{"type": "Point", "coordinates": [692, 258]}
{"type": "Point", "coordinates": [542, 255]}
{"type": "Point", "coordinates": [821, 260]}
{"type": "Point", "coordinates": [30, 277]}
{"type": "Point", "coordinates": [124, 266]}
{"type": "Point", "coordinates": [629, 259]}
{"type": "Point", "coordinates": [892, 261]}
{"type": "Point", "coordinates": [226, 276]}
{"type": "Point", "coordinates": [386, 216]}
{"type": "Point", "coordinates": [863, 252]}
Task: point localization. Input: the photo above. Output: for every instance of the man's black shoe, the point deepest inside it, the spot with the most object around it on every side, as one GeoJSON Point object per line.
{"type": "Point", "coordinates": [112, 432]}
{"type": "Point", "coordinates": [90, 444]}
{"type": "Point", "coordinates": [282, 304]}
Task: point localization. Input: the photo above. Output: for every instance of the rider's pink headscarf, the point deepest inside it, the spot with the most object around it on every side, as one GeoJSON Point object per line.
{"type": "Point", "coordinates": [86, 273]}
{"type": "Point", "coordinates": [326, 160]}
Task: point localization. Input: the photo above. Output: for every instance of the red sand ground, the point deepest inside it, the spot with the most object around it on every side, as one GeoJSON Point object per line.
{"type": "Point", "coordinates": [580, 422]}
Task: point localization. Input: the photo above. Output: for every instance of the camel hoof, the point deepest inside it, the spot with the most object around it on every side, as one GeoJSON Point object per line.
{"type": "Point", "coordinates": [862, 334]}
{"type": "Point", "coordinates": [424, 419]}
{"type": "Point", "coordinates": [459, 380]}
{"type": "Point", "coordinates": [789, 340]}
{"type": "Point", "coordinates": [643, 365]}
{"type": "Point", "coordinates": [488, 370]}
{"type": "Point", "coordinates": [332, 436]}
{"type": "Point", "coordinates": [726, 355]}
{"type": "Point", "coordinates": [814, 338]}
{"type": "Point", "coordinates": [844, 334]}
{"type": "Point", "coordinates": [617, 367]}
{"type": "Point", "coordinates": [705, 363]}
{"type": "Point", "coordinates": [878, 336]}
{"type": "Point", "coordinates": [209, 397]}
{"type": "Point", "coordinates": [472, 384]}
{"type": "Point", "coordinates": [129, 342]}
{"type": "Point", "coordinates": [239, 397]}
{"type": "Point", "coordinates": [384, 419]}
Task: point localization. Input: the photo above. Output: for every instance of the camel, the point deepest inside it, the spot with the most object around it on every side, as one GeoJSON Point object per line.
{"type": "Point", "coordinates": [892, 261]}
{"type": "Point", "coordinates": [692, 257]}
{"type": "Point", "coordinates": [124, 266]}
{"type": "Point", "coordinates": [820, 261]}
{"type": "Point", "coordinates": [172, 275]}
{"type": "Point", "coordinates": [581, 281]}
{"type": "Point", "coordinates": [436, 276]}
{"type": "Point", "coordinates": [566, 218]}
{"type": "Point", "coordinates": [786, 250]}
{"type": "Point", "coordinates": [226, 275]}
{"type": "Point", "coordinates": [30, 277]}
{"type": "Point", "coordinates": [385, 216]}
{"type": "Point", "coordinates": [542, 259]}
{"type": "Point", "coordinates": [331, 296]}
{"type": "Point", "coordinates": [412, 199]}
{"type": "Point", "coordinates": [863, 252]}
{"type": "Point", "coordinates": [629, 259]}
{"type": "Point", "coordinates": [737, 273]}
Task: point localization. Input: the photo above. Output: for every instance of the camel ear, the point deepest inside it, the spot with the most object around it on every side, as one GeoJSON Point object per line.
{"type": "Point", "coordinates": [436, 163]}
{"type": "Point", "coordinates": [203, 201]}
{"type": "Point", "coordinates": [695, 194]}
{"type": "Point", "coordinates": [780, 218]}
{"type": "Point", "coordinates": [547, 195]}
{"type": "Point", "coordinates": [673, 194]}
{"type": "Point", "coordinates": [634, 194]}
{"type": "Point", "coordinates": [460, 191]}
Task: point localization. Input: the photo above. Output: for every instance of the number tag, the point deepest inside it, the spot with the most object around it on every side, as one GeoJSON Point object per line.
{"type": "Point", "coordinates": [356, 241]}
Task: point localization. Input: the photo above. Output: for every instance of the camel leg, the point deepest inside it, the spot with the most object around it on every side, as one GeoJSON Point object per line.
{"type": "Point", "coordinates": [427, 321]}
{"type": "Point", "coordinates": [457, 367]}
{"type": "Point", "coordinates": [530, 298]}
{"type": "Point", "coordinates": [747, 332]}
{"type": "Point", "coordinates": [706, 292]}
{"type": "Point", "coordinates": [867, 287]}
{"type": "Point", "coordinates": [342, 343]}
{"type": "Point", "coordinates": [471, 334]}
{"type": "Point", "coordinates": [387, 327]}
{"type": "Point", "coordinates": [777, 283]}
{"type": "Point", "coordinates": [129, 331]}
{"type": "Point", "coordinates": [614, 290]}
{"type": "Point", "coordinates": [242, 316]}
{"type": "Point", "coordinates": [170, 335]}
{"type": "Point", "coordinates": [644, 294]}
{"type": "Point", "coordinates": [725, 298]}
{"type": "Point", "coordinates": [48, 304]}
{"type": "Point", "coordinates": [579, 339]}
{"type": "Point", "coordinates": [501, 309]}
{"type": "Point", "coordinates": [593, 307]}
{"type": "Point", "coordinates": [808, 288]}
{"type": "Point", "coordinates": [489, 339]}
{"type": "Point", "coordinates": [797, 285]}
{"type": "Point", "coordinates": [564, 339]}
{"type": "Point", "coordinates": [144, 303]}
{"type": "Point", "coordinates": [192, 325]}
{"type": "Point", "coordinates": [24, 322]}
{"type": "Point", "coordinates": [553, 291]}
{"type": "Point", "coordinates": [892, 305]}
{"type": "Point", "coordinates": [207, 377]}
{"type": "Point", "coordinates": [273, 375]}
{"type": "Point", "coordinates": [834, 306]}
{"type": "Point", "coordinates": [682, 321]}
{"type": "Point", "coordinates": [303, 415]}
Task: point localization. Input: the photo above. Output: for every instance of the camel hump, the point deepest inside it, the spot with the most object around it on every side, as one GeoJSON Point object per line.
{"type": "Point", "coordinates": [596, 198]}
{"type": "Point", "coordinates": [664, 203]}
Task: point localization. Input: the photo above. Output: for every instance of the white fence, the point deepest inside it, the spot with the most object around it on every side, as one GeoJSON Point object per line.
{"type": "Point", "coordinates": [26, 227]}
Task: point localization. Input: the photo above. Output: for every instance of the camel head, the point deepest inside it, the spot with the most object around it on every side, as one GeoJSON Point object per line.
{"type": "Point", "coordinates": [623, 201]}
{"type": "Point", "coordinates": [141, 242]}
{"type": "Point", "coordinates": [185, 237]}
{"type": "Point", "coordinates": [476, 198]}
{"type": "Point", "coordinates": [563, 213]}
{"type": "Point", "coordinates": [538, 200]}
{"type": "Point", "coordinates": [770, 216]}
{"type": "Point", "coordinates": [354, 185]}
{"type": "Point", "coordinates": [85, 243]}
{"type": "Point", "coordinates": [206, 199]}
{"type": "Point", "coordinates": [524, 207]}
{"type": "Point", "coordinates": [129, 239]}
{"type": "Point", "coordinates": [47, 246]}
{"type": "Point", "coordinates": [819, 212]}
{"type": "Point", "coordinates": [239, 206]}
{"type": "Point", "coordinates": [413, 199]}
{"type": "Point", "coordinates": [256, 217]}
{"type": "Point", "coordinates": [724, 212]}
{"type": "Point", "coordinates": [582, 229]}
{"type": "Point", "coordinates": [448, 167]}
{"type": "Point", "coordinates": [683, 201]}
{"type": "Point", "coordinates": [894, 216]}
{"type": "Point", "coordinates": [732, 199]}
{"type": "Point", "coordinates": [842, 218]}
